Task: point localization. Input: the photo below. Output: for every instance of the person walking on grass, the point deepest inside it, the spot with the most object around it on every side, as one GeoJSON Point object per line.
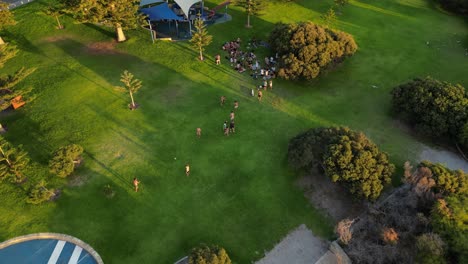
{"type": "Point", "coordinates": [136, 183]}
{"type": "Point", "coordinates": [187, 169]}
{"type": "Point", "coordinates": [232, 127]}
{"type": "Point", "coordinates": [218, 59]}
{"type": "Point", "coordinates": [222, 100]}
{"type": "Point", "coordinates": [236, 105]}
{"type": "Point", "coordinates": [231, 115]}
{"type": "Point", "coordinates": [198, 132]}
{"type": "Point", "coordinates": [260, 95]}
{"type": "Point", "coordinates": [270, 84]}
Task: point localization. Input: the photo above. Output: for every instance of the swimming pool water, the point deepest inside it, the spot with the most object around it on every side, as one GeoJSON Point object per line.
{"type": "Point", "coordinates": [45, 251]}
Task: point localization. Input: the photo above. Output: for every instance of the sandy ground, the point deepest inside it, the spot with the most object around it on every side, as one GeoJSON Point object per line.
{"type": "Point", "coordinates": [300, 246]}
{"type": "Point", "coordinates": [447, 158]}
{"type": "Point", "coordinates": [331, 198]}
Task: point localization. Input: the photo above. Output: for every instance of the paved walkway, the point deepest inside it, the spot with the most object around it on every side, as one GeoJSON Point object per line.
{"type": "Point", "coordinates": [17, 3]}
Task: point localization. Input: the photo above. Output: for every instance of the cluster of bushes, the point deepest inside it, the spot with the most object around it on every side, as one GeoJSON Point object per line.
{"type": "Point", "coordinates": [436, 109]}
{"type": "Point", "coordinates": [420, 222]}
{"type": "Point", "coordinates": [305, 49]}
{"type": "Point", "coordinates": [209, 255]}
{"type": "Point", "coordinates": [346, 156]}
{"type": "Point", "coordinates": [458, 6]}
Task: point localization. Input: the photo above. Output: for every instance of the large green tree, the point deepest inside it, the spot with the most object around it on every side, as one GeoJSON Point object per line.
{"type": "Point", "coordinates": [446, 181]}
{"type": "Point", "coordinates": [40, 193]}
{"type": "Point", "coordinates": [13, 162]}
{"type": "Point", "coordinates": [118, 14]}
{"type": "Point", "coordinates": [346, 156]}
{"type": "Point", "coordinates": [436, 109]}
{"type": "Point", "coordinates": [65, 159]}
{"type": "Point", "coordinates": [450, 220]}
{"type": "Point", "coordinates": [131, 84]}
{"type": "Point", "coordinates": [307, 49]}
{"type": "Point", "coordinates": [200, 37]}
{"type": "Point", "coordinates": [6, 18]}
{"type": "Point", "coordinates": [251, 7]}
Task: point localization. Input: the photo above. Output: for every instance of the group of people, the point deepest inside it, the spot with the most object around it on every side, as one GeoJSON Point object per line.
{"type": "Point", "coordinates": [243, 60]}
{"type": "Point", "coordinates": [231, 126]}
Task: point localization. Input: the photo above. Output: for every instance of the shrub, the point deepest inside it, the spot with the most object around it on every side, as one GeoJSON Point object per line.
{"type": "Point", "coordinates": [446, 181]}
{"type": "Point", "coordinates": [109, 192]}
{"type": "Point", "coordinates": [63, 162]}
{"type": "Point", "coordinates": [389, 236]}
{"type": "Point", "coordinates": [343, 230]}
{"type": "Point", "coordinates": [209, 255]}
{"type": "Point", "coordinates": [40, 193]}
{"type": "Point", "coordinates": [306, 49]}
{"type": "Point", "coordinates": [430, 249]}
{"type": "Point", "coordinates": [450, 220]}
{"type": "Point", "coordinates": [458, 6]}
{"type": "Point", "coordinates": [436, 109]}
{"type": "Point", "coordinates": [463, 136]}
{"type": "Point", "coordinates": [346, 156]}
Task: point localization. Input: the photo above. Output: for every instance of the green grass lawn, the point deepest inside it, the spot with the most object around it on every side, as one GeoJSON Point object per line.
{"type": "Point", "coordinates": [241, 193]}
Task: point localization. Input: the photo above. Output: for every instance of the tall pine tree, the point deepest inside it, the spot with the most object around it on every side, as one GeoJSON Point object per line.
{"type": "Point", "coordinates": [200, 38]}
{"type": "Point", "coordinates": [6, 18]}
{"type": "Point", "coordinates": [252, 7]}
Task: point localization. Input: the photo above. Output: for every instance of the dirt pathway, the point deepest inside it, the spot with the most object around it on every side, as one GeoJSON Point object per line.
{"type": "Point", "coordinates": [447, 158]}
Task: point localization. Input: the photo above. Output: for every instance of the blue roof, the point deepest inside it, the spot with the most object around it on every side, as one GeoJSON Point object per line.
{"type": "Point", "coordinates": [160, 12]}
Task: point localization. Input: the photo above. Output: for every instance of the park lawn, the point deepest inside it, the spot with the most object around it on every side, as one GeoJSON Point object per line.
{"type": "Point", "coordinates": [241, 193]}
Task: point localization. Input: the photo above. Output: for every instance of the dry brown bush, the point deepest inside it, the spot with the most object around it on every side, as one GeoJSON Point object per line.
{"type": "Point", "coordinates": [343, 230]}
{"type": "Point", "coordinates": [389, 236]}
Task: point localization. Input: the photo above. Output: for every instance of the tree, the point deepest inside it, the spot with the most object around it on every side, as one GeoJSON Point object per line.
{"type": "Point", "coordinates": [329, 17]}
{"type": "Point", "coordinates": [343, 230]}
{"type": "Point", "coordinates": [252, 7]}
{"type": "Point", "coordinates": [6, 53]}
{"type": "Point", "coordinates": [6, 18]}
{"type": "Point", "coordinates": [209, 255]}
{"type": "Point", "coordinates": [431, 249]}
{"type": "Point", "coordinates": [200, 38]}
{"type": "Point", "coordinates": [13, 161]}
{"type": "Point", "coordinates": [446, 181]}
{"type": "Point", "coordinates": [40, 193]}
{"type": "Point", "coordinates": [7, 85]}
{"type": "Point", "coordinates": [346, 156]}
{"type": "Point", "coordinates": [450, 220]}
{"type": "Point", "coordinates": [341, 3]}
{"type": "Point", "coordinates": [131, 85]}
{"type": "Point", "coordinates": [55, 12]}
{"type": "Point", "coordinates": [458, 6]}
{"type": "Point", "coordinates": [435, 109]}
{"type": "Point", "coordinates": [119, 14]}
{"type": "Point", "coordinates": [65, 159]}
{"type": "Point", "coordinates": [305, 50]}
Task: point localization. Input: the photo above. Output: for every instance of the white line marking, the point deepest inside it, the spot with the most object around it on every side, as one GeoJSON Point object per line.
{"type": "Point", "coordinates": [56, 253]}
{"type": "Point", "coordinates": [76, 254]}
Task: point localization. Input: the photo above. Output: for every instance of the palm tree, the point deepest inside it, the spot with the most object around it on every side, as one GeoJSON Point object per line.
{"type": "Point", "coordinates": [131, 85]}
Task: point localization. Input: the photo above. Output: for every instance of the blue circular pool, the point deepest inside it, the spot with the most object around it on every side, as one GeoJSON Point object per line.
{"type": "Point", "coordinates": [47, 251]}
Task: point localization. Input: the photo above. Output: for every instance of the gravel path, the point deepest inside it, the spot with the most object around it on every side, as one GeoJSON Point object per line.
{"type": "Point", "coordinates": [447, 158]}
{"type": "Point", "coordinates": [300, 246]}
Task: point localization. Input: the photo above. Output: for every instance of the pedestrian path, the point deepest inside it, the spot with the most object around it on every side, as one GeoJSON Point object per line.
{"type": "Point", "coordinates": [17, 3]}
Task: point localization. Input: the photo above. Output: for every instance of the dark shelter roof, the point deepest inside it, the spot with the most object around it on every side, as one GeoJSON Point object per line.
{"type": "Point", "coordinates": [161, 12]}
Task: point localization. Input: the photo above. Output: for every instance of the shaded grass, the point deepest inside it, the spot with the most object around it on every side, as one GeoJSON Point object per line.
{"type": "Point", "coordinates": [241, 193]}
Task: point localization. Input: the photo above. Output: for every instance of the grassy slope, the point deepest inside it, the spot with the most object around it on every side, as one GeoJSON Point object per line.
{"type": "Point", "coordinates": [241, 193]}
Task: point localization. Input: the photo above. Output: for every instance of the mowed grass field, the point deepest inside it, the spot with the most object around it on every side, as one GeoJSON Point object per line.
{"type": "Point", "coordinates": [241, 193]}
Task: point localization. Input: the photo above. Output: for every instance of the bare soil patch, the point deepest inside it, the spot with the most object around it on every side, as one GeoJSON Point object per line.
{"type": "Point", "coordinates": [52, 39]}
{"type": "Point", "coordinates": [76, 180]}
{"type": "Point", "coordinates": [333, 199]}
{"type": "Point", "coordinates": [98, 48]}
{"type": "Point", "coordinates": [300, 246]}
